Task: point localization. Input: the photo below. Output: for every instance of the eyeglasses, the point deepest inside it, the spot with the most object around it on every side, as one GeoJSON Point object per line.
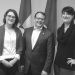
{"type": "Point", "coordinates": [40, 18]}
{"type": "Point", "coordinates": [10, 16]}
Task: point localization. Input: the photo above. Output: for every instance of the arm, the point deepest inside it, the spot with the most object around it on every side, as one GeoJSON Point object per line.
{"type": "Point", "coordinates": [22, 58]}
{"type": "Point", "coordinates": [19, 46]}
{"type": "Point", "coordinates": [50, 53]}
{"type": "Point", "coordinates": [6, 63]}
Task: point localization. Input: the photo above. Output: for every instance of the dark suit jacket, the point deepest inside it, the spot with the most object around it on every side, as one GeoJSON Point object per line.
{"type": "Point", "coordinates": [18, 40]}
{"type": "Point", "coordinates": [41, 56]}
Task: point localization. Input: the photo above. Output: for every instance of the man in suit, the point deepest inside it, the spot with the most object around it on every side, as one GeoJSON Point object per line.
{"type": "Point", "coordinates": [38, 48]}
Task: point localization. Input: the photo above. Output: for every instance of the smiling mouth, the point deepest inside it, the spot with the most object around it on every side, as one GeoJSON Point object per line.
{"type": "Point", "coordinates": [66, 18]}
{"type": "Point", "coordinates": [11, 20]}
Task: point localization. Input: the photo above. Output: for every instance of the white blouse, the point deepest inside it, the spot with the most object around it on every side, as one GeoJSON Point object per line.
{"type": "Point", "coordinates": [9, 49]}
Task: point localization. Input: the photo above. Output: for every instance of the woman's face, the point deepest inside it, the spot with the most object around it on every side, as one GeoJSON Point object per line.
{"type": "Point", "coordinates": [66, 18]}
{"type": "Point", "coordinates": [10, 18]}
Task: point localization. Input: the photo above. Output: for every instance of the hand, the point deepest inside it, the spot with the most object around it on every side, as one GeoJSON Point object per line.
{"type": "Point", "coordinates": [12, 62]}
{"type": "Point", "coordinates": [21, 68]}
{"type": "Point", "coordinates": [71, 61]}
{"type": "Point", "coordinates": [44, 73]}
{"type": "Point", "coordinates": [6, 63]}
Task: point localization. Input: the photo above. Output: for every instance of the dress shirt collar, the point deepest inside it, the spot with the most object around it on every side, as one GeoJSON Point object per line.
{"type": "Point", "coordinates": [38, 28]}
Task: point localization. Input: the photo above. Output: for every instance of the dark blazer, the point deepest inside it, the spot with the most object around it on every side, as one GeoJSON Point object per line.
{"type": "Point", "coordinates": [41, 56]}
{"type": "Point", "coordinates": [18, 40]}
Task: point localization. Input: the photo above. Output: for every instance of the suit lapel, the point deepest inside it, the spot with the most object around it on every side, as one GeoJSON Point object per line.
{"type": "Point", "coordinates": [29, 36]}
{"type": "Point", "coordinates": [39, 38]}
{"type": "Point", "coordinates": [17, 36]}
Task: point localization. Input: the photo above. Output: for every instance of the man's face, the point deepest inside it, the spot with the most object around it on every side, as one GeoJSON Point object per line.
{"type": "Point", "coordinates": [39, 20]}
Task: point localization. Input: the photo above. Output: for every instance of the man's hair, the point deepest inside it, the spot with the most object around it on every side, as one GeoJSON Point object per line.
{"type": "Point", "coordinates": [41, 13]}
